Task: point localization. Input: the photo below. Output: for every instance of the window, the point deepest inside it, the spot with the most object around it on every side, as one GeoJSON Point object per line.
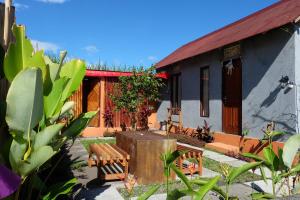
{"type": "Point", "coordinates": [204, 94]}
{"type": "Point", "coordinates": [176, 91]}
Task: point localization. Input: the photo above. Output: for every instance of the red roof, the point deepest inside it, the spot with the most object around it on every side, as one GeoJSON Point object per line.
{"type": "Point", "coordinates": [276, 15]}
{"type": "Point", "coordinates": [100, 73]}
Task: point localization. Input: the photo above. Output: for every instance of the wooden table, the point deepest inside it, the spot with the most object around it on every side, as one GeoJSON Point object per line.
{"type": "Point", "coordinates": [145, 149]}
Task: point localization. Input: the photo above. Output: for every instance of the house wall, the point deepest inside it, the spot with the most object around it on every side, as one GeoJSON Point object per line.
{"type": "Point", "coordinates": [265, 58]}
{"type": "Point", "coordinates": [297, 73]}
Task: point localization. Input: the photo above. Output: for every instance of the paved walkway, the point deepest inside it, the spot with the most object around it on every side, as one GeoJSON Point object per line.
{"type": "Point", "coordinates": [93, 189]}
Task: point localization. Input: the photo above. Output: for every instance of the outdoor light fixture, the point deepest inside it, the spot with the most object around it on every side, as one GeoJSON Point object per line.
{"type": "Point", "coordinates": [285, 82]}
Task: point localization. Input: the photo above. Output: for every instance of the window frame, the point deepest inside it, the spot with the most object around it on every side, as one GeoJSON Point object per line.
{"type": "Point", "coordinates": [178, 91]}
{"type": "Point", "coordinates": [202, 107]}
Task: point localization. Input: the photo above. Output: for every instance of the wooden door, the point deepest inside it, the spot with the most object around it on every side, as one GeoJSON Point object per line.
{"type": "Point", "coordinates": [232, 97]}
{"type": "Point", "coordinates": [93, 99]}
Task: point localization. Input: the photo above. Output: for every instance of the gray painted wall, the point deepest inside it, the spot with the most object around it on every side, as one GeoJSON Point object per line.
{"type": "Point", "coordinates": [297, 73]}
{"type": "Point", "coordinates": [265, 58]}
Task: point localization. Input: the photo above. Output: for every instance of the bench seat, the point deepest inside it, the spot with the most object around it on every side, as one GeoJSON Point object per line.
{"type": "Point", "coordinates": [191, 153]}
{"type": "Point", "coordinates": [111, 161]}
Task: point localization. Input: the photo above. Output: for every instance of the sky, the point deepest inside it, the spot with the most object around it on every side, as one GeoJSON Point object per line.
{"type": "Point", "coordinates": [125, 32]}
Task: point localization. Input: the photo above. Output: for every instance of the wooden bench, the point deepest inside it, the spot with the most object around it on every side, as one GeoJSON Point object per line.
{"type": "Point", "coordinates": [111, 161]}
{"type": "Point", "coordinates": [191, 153]}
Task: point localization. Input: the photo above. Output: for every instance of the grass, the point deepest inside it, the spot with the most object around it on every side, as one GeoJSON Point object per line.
{"type": "Point", "coordinates": [86, 143]}
{"type": "Point", "coordinates": [207, 163]}
{"type": "Point", "coordinates": [215, 166]}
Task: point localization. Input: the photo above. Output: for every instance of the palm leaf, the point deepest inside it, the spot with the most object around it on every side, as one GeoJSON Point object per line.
{"type": "Point", "coordinates": [149, 193]}
{"type": "Point", "coordinates": [200, 194]}
{"type": "Point", "coordinates": [235, 172]}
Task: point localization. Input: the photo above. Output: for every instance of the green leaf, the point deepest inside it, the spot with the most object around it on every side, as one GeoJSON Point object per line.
{"type": "Point", "coordinates": [75, 71]}
{"type": "Point", "coordinates": [183, 178]}
{"type": "Point", "coordinates": [45, 136]}
{"type": "Point", "coordinates": [177, 194]}
{"type": "Point", "coordinates": [206, 188]}
{"type": "Point", "coordinates": [79, 124]}
{"type": "Point", "coordinates": [25, 101]}
{"type": "Point", "coordinates": [52, 102]}
{"type": "Point", "coordinates": [53, 70]}
{"type": "Point", "coordinates": [149, 193]}
{"type": "Point", "coordinates": [253, 156]}
{"type": "Point", "coordinates": [20, 55]}
{"type": "Point", "coordinates": [263, 174]}
{"type": "Point", "coordinates": [37, 158]}
{"type": "Point", "coordinates": [276, 133]}
{"type": "Point", "coordinates": [290, 150]}
{"type": "Point", "coordinates": [292, 171]}
{"type": "Point", "coordinates": [65, 109]}
{"type": "Point", "coordinates": [235, 172]}
{"type": "Point", "coordinates": [216, 189]}
{"type": "Point", "coordinates": [173, 156]}
{"type": "Point", "coordinates": [62, 188]}
{"type": "Point", "coordinates": [261, 196]}
{"type": "Point", "coordinates": [17, 150]}
{"type": "Point", "coordinates": [271, 158]}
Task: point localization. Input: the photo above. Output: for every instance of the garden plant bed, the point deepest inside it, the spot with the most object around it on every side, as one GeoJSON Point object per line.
{"type": "Point", "coordinates": [215, 166]}
{"type": "Point", "coordinates": [207, 163]}
{"type": "Point", "coordinates": [187, 140]}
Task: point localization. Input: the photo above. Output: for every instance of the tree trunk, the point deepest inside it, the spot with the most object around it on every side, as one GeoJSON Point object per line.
{"type": "Point", "coordinates": [133, 121]}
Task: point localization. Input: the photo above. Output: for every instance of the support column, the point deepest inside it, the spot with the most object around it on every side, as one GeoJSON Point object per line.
{"type": "Point", "coordinates": [102, 101]}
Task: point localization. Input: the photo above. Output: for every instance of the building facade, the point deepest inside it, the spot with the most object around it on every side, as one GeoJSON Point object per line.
{"type": "Point", "coordinates": [236, 79]}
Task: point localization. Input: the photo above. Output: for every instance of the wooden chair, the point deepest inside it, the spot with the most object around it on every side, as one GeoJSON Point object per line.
{"type": "Point", "coordinates": [111, 161]}
{"type": "Point", "coordinates": [174, 123]}
{"type": "Point", "coordinates": [191, 153]}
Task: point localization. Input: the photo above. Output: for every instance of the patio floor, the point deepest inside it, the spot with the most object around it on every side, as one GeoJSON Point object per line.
{"type": "Point", "coordinates": [92, 188]}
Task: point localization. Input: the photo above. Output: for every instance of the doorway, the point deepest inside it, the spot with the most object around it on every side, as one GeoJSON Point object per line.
{"type": "Point", "coordinates": [232, 96]}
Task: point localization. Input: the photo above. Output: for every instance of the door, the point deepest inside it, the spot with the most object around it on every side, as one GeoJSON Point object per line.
{"type": "Point", "coordinates": [232, 96]}
{"type": "Point", "coordinates": [93, 99]}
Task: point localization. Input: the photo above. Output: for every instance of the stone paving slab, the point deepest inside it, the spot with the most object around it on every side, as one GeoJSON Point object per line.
{"type": "Point", "coordinates": [267, 187]}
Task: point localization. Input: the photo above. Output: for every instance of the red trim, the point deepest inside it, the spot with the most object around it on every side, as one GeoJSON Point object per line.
{"type": "Point", "coordinates": [98, 73]}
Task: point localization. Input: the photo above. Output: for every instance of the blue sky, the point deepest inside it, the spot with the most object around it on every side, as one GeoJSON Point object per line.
{"type": "Point", "coordinates": [131, 32]}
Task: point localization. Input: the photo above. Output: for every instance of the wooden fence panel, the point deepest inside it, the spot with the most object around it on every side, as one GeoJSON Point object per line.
{"type": "Point", "coordinates": [77, 98]}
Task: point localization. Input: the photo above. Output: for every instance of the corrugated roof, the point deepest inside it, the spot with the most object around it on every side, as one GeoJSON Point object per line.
{"type": "Point", "coordinates": [274, 16]}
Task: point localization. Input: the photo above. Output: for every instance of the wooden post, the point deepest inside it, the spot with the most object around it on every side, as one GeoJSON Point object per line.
{"type": "Point", "coordinates": [102, 101]}
{"type": "Point", "coordinates": [6, 23]}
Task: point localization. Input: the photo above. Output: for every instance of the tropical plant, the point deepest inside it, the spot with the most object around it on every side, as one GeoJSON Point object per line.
{"type": "Point", "coordinates": [280, 165]}
{"type": "Point", "coordinates": [132, 92]}
{"type": "Point", "coordinates": [108, 117]}
{"type": "Point", "coordinates": [204, 133]}
{"type": "Point", "coordinates": [229, 176]}
{"type": "Point", "coordinates": [144, 113]}
{"type": "Point", "coordinates": [38, 113]}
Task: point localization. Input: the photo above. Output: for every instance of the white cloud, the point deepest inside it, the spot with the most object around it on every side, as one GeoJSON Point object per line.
{"type": "Point", "coordinates": [152, 58]}
{"type": "Point", "coordinates": [53, 1]}
{"type": "Point", "coordinates": [91, 49]}
{"type": "Point", "coordinates": [47, 46]}
{"type": "Point", "coordinates": [20, 6]}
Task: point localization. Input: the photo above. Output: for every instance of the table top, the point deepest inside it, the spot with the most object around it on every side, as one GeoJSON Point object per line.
{"type": "Point", "coordinates": [144, 135]}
